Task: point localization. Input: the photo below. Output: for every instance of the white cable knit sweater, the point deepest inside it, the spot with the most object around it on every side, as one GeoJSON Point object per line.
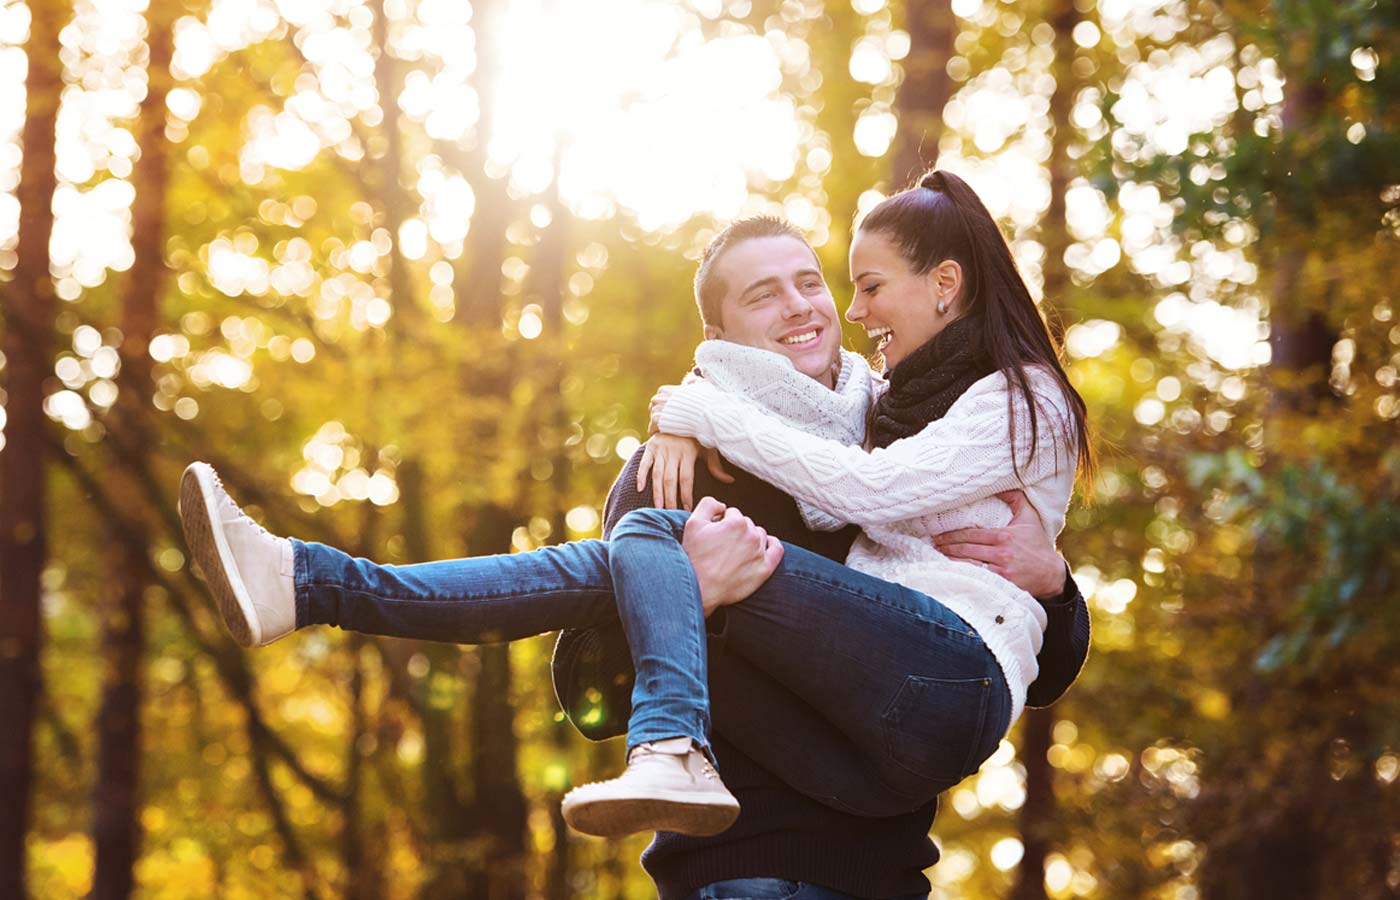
{"type": "Point", "coordinates": [942, 478]}
{"type": "Point", "coordinates": [770, 380]}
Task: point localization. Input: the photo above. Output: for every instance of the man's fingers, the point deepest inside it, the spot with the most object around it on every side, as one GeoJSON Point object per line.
{"type": "Point", "coordinates": [708, 509]}
{"type": "Point", "coordinates": [772, 554]}
{"type": "Point", "coordinates": [1021, 508]}
{"type": "Point", "coordinates": [987, 536]}
{"type": "Point", "coordinates": [716, 466]}
{"type": "Point", "coordinates": [972, 552]}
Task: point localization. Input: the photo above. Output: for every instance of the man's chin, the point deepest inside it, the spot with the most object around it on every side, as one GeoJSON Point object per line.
{"type": "Point", "coordinates": [814, 367]}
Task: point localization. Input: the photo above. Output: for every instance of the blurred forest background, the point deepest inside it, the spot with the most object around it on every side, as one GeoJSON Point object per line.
{"type": "Point", "coordinates": [407, 272]}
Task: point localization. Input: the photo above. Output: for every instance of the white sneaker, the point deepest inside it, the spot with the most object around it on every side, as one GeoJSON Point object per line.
{"type": "Point", "coordinates": [668, 786]}
{"type": "Point", "coordinates": [249, 570]}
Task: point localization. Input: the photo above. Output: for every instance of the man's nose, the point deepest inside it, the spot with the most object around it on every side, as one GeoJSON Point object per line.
{"type": "Point", "coordinates": [795, 303]}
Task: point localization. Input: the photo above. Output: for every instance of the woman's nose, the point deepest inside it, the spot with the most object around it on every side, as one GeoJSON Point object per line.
{"type": "Point", "coordinates": [856, 311]}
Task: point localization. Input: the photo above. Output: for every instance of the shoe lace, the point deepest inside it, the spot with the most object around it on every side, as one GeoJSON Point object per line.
{"type": "Point", "coordinates": [228, 503]}
{"type": "Point", "coordinates": [648, 755]}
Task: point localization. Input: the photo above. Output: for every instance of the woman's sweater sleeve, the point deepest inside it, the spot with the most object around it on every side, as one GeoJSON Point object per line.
{"type": "Point", "coordinates": [964, 456]}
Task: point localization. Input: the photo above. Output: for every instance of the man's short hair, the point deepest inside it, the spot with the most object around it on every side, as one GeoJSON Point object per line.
{"type": "Point", "coordinates": [709, 287]}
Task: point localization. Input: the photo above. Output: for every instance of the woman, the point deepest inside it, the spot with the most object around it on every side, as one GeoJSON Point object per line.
{"type": "Point", "coordinates": [902, 678]}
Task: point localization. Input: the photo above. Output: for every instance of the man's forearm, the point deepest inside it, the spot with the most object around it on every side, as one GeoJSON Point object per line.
{"type": "Point", "coordinates": [1065, 647]}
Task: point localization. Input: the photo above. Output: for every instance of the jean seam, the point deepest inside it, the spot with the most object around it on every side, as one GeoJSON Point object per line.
{"type": "Point", "coordinates": [439, 598]}
{"type": "Point", "coordinates": [873, 598]}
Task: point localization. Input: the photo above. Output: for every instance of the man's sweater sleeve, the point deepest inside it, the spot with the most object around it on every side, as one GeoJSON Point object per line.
{"type": "Point", "coordinates": [961, 457]}
{"type": "Point", "coordinates": [1066, 645]}
{"type": "Point", "coordinates": [624, 496]}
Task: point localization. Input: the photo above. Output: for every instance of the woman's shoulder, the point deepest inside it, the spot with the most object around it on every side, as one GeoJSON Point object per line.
{"type": "Point", "coordinates": [1043, 381]}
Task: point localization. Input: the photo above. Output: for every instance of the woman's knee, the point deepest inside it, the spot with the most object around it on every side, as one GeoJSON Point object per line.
{"type": "Point", "coordinates": [650, 521]}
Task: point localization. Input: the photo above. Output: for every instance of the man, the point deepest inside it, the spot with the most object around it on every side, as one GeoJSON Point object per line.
{"type": "Point", "coordinates": [760, 285]}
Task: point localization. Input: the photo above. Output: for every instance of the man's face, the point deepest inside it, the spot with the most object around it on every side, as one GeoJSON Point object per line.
{"type": "Point", "coordinates": [776, 299]}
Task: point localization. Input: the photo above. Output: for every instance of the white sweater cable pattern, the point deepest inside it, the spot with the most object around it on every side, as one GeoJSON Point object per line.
{"type": "Point", "coordinates": [944, 477]}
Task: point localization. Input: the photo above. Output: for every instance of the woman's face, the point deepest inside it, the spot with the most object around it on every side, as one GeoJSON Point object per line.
{"type": "Point", "coordinates": [896, 306]}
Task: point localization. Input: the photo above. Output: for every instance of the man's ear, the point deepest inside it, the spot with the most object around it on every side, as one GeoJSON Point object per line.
{"type": "Point", "coordinates": [714, 333]}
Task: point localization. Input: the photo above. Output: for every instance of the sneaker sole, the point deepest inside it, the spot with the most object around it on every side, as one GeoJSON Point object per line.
{"type": "Point", "coordinates": [211, 552]}
{"type": "Point", "coordinates": [615, 818]}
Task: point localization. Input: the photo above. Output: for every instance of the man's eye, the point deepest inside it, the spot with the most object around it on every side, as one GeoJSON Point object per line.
{"type": "Point", "coordinates": [812, 286]}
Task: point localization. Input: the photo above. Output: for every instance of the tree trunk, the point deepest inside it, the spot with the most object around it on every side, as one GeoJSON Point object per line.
{"type": "Point", "coordinates": [27, 344]}
{"type": "Point", "coordinates": [547, 288]}
{"type": "Point", "coordinates": [926, 89]}
{"type": "Point", "coordinates": [499, 809]}
{"type": "Point", "coordinates": [116, 823]}
{"type": "Point", "coordinates": [1055, 226]}
{"type": "Point", "coordinates": [1038, 817]}
{"type": "Point", "coordinates": [1284, 855]}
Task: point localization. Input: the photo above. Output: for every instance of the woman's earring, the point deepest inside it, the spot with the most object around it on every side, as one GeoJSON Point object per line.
{"type": "Point", "coordinates": [942, 307]}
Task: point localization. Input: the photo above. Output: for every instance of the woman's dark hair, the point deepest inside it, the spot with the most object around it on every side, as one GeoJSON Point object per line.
{"type": "Point", "coordinates": [943, 218]}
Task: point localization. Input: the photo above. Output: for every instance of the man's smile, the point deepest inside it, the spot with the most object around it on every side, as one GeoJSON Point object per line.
{"type": "Point", "coordinates": [807, 335]}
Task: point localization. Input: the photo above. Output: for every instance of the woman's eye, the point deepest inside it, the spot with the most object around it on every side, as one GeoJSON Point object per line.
{"type": "Point", "coordinates": [870, 289]}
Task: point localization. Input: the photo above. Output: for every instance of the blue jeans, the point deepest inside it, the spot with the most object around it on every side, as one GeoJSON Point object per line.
{"type": "Point", "coordinates": [862, 694]}
{"type": "Point", "coordinates": [774, 889]}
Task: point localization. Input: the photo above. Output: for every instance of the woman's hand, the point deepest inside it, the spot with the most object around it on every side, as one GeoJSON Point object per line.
{"type": "Point", "coordinates": [662, 395]}
{"type": "Point", "coordinates": [669, 461]}
{"type": "Point", "coordinates": [656, 405]}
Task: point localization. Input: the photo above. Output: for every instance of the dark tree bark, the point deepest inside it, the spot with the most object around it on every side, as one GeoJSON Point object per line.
{"type": "Point", "coordinates": [1055, 227]}
{"type": "Point", "coordinates": [499, 810]}
{"type": "Point", "coordinates": [477, 272]}
{"type": "Point", "coordinates": [116, 824]}
{"type": "Point", "coordinates": [28, 344]}
{"type": "Point", "coordinates": [1283, 850]}
{"type": "Point", "coordinates": [1038, 817]}
{"type": "Point", "coordinates": [548, 290]}
{"type": "Point", "coordinates": [926, 89]}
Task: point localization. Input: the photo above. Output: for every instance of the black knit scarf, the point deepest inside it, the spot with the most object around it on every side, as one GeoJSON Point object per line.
{"type": "Point", "coordinates": [930, 380]}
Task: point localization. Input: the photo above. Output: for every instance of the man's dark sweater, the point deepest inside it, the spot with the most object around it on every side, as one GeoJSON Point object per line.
{"type": "Point", "coordinates": [780, 833]}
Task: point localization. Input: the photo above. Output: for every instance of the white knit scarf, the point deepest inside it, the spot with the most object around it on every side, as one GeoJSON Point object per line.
{"type": "Point", "coordinates": [771, 381]}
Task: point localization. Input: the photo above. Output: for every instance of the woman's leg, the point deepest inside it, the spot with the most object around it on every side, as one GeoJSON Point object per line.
{"type": "Point", "coordinates": [268, 586]}
{"type": "Point", "coordinates": [473, 600]}
{"type": "Point", "coordinates": [885, 669]}
{"type": "Point", "coordinates": [486, 599]}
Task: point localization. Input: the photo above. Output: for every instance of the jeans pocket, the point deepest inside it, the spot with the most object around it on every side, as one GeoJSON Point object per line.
{"type": "Point", "coordinates": [750, 889]}
{"type": "Point", "coordinates": [934, 727]}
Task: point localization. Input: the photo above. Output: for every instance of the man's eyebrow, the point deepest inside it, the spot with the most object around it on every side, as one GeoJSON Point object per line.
{"type": "Point", "coordinates": [762, 282]}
